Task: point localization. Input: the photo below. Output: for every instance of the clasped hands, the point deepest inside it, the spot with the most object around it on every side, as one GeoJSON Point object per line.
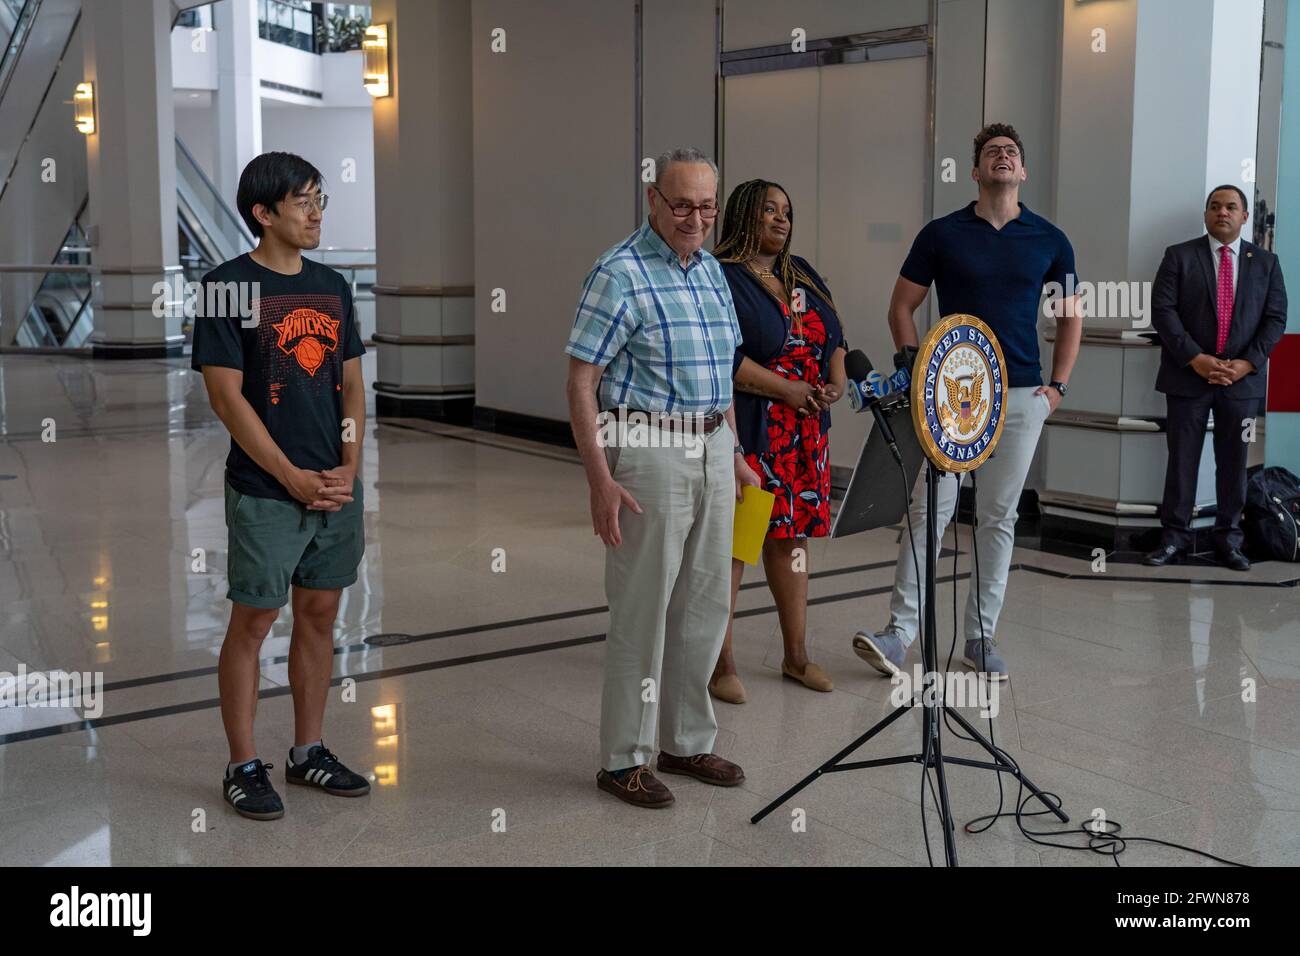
{"type": "Point", "coordinates": [327, 490]}
{"type": "Point", "coordinates": [807, 400]}
{"type": "Point", "coordinates": [1217, 371]}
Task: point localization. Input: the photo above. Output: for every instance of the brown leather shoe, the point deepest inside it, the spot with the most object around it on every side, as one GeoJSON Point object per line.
{"type": "Point", "coordinates": [708, 768]}
{"type": "Point", "coordinates": [639, 787]}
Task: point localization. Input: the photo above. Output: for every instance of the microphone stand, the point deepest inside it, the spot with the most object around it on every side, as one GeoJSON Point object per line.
{"type": "Point", "coordinates": [932, 712]}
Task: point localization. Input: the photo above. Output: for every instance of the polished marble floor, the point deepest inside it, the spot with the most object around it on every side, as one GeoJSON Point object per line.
{"type": "Point", "coordinates": [475, 715]}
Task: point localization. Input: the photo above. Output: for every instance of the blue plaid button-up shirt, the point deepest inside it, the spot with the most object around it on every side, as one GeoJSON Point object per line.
{"type": "Point", "coordinates": [666, 336]}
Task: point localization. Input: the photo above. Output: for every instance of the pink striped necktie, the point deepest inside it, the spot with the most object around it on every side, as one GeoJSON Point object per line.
{"type": "Point", "coordinates": [1225, 298]}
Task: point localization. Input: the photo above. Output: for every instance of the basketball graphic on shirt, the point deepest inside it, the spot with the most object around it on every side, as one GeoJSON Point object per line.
{"type": "Point", "coordinates": [309, 353]}
{"type": "Point", "coordinates": [308, 336]}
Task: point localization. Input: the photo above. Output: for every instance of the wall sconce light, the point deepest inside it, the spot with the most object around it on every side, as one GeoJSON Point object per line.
{"type": "Point", "coordinates": [83, 107]}
{"type": "Point", "coordinates": [374, 72]}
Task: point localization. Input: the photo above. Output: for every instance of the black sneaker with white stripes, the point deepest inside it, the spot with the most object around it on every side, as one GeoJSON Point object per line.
{"type": "Point", "coordinates": [250, 792]}
{"type": "Point", "coordinates": [323, 769]}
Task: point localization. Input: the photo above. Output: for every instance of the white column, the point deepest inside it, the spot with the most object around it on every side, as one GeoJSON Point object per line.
{"type": "Point", "coordinates": [238, 99]}
{"type": "Point", "coordinates": [1233, 120]}
{"type": "Point", "coordinates": [131, 175]}
{"type": "Point", "coordinates": [424, 219]}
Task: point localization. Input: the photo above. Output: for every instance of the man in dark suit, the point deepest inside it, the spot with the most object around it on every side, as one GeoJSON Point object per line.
{"type": "Point", "coordinates": [1220, 307]}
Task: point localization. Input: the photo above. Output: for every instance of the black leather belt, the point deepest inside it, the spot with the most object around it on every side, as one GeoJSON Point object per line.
{"type": "Point", "coordinates": [694, 424]}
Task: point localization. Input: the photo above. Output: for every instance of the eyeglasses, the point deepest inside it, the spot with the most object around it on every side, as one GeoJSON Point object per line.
{"type": "Point", "coordinates": [307, 205]}
{"type": "Point", "coordinates": [683, 209]}
{"type": "Point", "coordinates": [1011, 151]}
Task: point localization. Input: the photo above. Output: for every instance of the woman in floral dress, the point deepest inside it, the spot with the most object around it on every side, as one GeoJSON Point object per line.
{"type": "Point", "coordinates": [788, 372]}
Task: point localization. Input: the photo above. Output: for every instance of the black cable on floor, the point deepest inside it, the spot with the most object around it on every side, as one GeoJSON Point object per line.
{"type": "Point", "coordinates": [1106, 842]}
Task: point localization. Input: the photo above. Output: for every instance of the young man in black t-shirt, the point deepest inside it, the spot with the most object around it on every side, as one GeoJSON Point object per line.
{"type": "Point", "coordinates": [276, 339]}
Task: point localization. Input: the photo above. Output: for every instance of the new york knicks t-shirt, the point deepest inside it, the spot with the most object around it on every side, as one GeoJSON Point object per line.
{"type": "Point", "coordinates": [289, 335]}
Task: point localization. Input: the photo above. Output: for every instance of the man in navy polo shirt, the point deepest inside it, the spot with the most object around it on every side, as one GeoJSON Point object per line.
{"type": "Point", "coordinates": [992, 260]}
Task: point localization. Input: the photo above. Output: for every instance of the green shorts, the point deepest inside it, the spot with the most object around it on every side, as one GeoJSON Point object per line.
{"type": "Point", "coordinates": [276, 543]}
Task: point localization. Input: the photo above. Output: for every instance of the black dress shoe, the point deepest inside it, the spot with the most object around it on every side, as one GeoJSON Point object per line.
{"type": "Point", "coordinates": [1163, 557]}
{"type": "Point", "coordinates": [1234, 559]}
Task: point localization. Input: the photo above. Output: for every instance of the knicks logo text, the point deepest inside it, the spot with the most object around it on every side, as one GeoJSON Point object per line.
{"type": "Point", "coordinates": [308, 336]}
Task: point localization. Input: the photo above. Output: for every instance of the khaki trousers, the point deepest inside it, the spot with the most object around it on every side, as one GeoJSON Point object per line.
{"type": "Point", "coordinates": [998, 482]}
{"type": "Point", "coordinates": [668, 585]}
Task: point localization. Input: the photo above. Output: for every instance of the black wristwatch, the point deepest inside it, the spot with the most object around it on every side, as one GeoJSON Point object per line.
{"type": "Point", "coordinates": [1059, 386]}
{"type": "Point", "coordinates": [739, 449]}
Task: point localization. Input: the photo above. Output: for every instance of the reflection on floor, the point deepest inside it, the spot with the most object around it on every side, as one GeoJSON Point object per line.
{"type": "Point", "coordinates": [1126, 692]}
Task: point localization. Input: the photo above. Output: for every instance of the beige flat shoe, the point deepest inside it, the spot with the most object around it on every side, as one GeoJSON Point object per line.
{"type": "Point", "coordinates": [813, 677]}
{"type": "Point", "coordinates": [728, 689]}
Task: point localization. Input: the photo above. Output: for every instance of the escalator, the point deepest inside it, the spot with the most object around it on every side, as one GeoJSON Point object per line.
{"type": "Point", "coordinates": [210, 232]}
{"type": "Point", "coordinates": [16, 17]}
{"type": "Point", "coordinates": [49, 307]}
{"type": "Point", "coordinates": [42, 174]}
{"type": "Point", "coordinates": [60, 316]}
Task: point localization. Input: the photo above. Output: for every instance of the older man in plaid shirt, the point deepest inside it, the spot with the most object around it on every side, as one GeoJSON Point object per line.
{"type": "Point", "coordinates": [656, 333]}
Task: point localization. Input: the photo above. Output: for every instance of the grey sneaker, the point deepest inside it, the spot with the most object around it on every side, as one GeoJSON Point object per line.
{"type": "Point", "coordinates": [986, 660]}
{"type": "Point", "coordinates": [884, 651]}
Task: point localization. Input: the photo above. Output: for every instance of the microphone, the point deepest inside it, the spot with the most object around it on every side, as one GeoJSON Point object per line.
{"type": "Point", "coordinates": [905, 358]}
{"type": "Point", "coordinates": [871, 385]}
{"type": "Point", "coordinates": [867, 387]}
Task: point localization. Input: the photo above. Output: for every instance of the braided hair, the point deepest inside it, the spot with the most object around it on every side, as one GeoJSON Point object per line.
{"type": "Point", "coordinates": [740, 237]}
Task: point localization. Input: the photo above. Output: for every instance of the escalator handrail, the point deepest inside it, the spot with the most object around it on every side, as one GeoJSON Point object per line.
{"type": "Point", "coordinates": [82, 312]}
{"type": "Point", "coordinates": [34, 5]}
{"type": "Point", "coordinates": [216, 194]}
{"type": "Point", "coordinates": [190, 216]}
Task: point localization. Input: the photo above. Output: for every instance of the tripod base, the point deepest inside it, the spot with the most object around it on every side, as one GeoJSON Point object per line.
{"type": "Point", "coordinates": [934, 759]}
{"type": "Point", "coordinates": [932, 756]}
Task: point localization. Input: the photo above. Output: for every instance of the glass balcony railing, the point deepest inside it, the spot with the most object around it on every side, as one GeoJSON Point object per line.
{"type": "Point", "coordinates": [356, 264]}
{"type": "Point", "coordinates": [290, 22]}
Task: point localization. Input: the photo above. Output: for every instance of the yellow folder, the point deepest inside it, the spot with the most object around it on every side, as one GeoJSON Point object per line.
{"type": "Point", "coordinates": [749, 529]}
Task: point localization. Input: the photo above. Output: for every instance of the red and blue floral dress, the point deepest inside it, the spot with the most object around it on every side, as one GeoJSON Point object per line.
{"type": "Point", "coordinates": [796, 467]}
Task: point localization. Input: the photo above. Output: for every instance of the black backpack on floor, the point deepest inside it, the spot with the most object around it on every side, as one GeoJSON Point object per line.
{"type": "Point", "coordinates": [1272, 517]}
